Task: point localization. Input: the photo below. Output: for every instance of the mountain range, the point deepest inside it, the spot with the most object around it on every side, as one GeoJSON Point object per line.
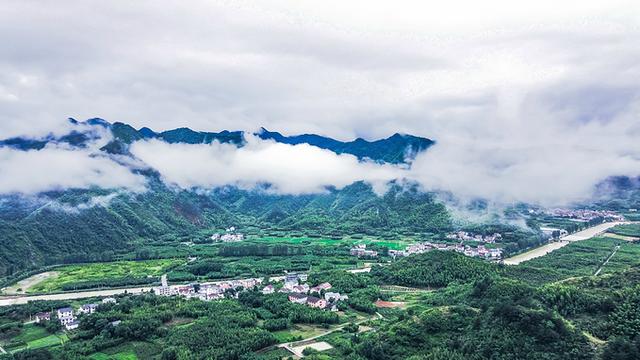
{"type": "Point", "coordinates": [75, 225]}
{"type": "Point", "coordinates": [398, 148]}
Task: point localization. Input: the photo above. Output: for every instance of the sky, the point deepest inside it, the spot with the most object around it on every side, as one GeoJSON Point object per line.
{"type": "Point", "coordinates": [532, 102]}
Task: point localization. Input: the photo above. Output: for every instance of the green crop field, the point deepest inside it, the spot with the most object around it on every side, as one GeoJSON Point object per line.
{"type": "Point", "coordinates": [100, 271]}
{"type": "Point", "coordinates": [627, 256]}
{"type": "Point", "coordinates": [398, 244]}
{"type": "Point", "coordinates": [125, 355]}
{"type": "Point", "coordinates": [35, 337]}
{"type": "Point", "coordinates": [626, 230]}
{"type": "Point", "coordinates": [577, 259]}
{"type": "Point", "coordinates": [583, 258]}
{"type": "Point", "coordinates": [47, 341]}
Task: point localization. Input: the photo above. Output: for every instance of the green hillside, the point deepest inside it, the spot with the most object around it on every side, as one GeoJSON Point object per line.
{"type": "Point", "coordinates": [54, 231]}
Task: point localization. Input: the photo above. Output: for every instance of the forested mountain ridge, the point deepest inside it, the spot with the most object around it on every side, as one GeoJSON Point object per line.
{"type": "Point", "coordinates": [59, 227]}
{"type": "Point", "coordinates": [396, 149]}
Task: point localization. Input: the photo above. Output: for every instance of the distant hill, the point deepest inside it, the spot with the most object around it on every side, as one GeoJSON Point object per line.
{"type": "Point", "coordinates": [395, 149]}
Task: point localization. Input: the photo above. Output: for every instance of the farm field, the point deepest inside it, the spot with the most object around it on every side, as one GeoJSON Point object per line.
{"type": "Point", "coordinates": [34, 337]}
{"type": "Point", "coordinates": [632, 230]}
{"type": "Point", "coordinates": [69, 275]}
{"type": "Point", "coordinates": [628, 255]}
{"type": "Point", "coordinates": [128, 351]}
{"type": "Point", "coordinates": [298, 332]}
{"type": "Point", "coordinates": [398, 244]}
{"type": "Point", "coordinates": [585, 257]}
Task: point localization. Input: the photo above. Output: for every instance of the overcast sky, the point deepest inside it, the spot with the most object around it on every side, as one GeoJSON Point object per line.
{"type": "Point", "coordinates": [514, 94]}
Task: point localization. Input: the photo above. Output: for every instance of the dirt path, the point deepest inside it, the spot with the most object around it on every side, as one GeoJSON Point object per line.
{"type": "Point", "coordinates": [22, 286]}
{"type": "Point", "coordinates": [294, 347]}
{"type": "Point", "coordinates": [606, 261]}
{"type": "Point", "coordinates": [564, 241]}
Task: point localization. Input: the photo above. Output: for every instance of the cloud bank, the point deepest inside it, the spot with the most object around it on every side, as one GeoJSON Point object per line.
{"type": "Point", "coordinates": [532, 102]}
{"type": "Point", "coordinates": [61, 168]}
{"type": "Point", "coordinates": [286, 169]}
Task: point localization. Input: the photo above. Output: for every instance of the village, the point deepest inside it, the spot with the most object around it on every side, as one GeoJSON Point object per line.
{"type": "Point", "coordinates": [585, 215]}
{"type": "Point", "coordinates": [360, 250]}
{"type": "Point", "coordinates": [68, 318]}
{"type": "Point", "coordinates": [295, 285]}
{"type": "Point", "coordinates": [230, 235]}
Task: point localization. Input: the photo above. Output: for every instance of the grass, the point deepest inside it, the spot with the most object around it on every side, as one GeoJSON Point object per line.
{"type": "Point", "coordinates": [583, 258]}
{"type": "Point", "coordinates": [298, 332]}
{"type": "Point", "coordinates": [626, 230]}
{"type": "Point", "coordinates": [277, 353]}
{"type": "Point", "coordinates": [129, 351]}
{"type": "Point", "coordinates": [35, 337]}
{"type": "Point", "coordinates": [580, 258]}
{"type": "Point", "coordinates": [628, 255]}
{"type": "Point", "coordinates": [398, 244]}
{"type": "Point", "coordinates": [50, 340]}
{"type": "Point", "coordinates": [100, 271]}
{"type": "Point", "coordinates": [125, 355]}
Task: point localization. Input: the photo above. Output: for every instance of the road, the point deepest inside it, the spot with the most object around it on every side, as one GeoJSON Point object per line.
{"type": "Point", "coordinates": [562, 242]}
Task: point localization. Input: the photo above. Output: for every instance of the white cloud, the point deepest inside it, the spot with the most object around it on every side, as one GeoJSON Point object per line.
{"type": "Point", "coordinates": [289, 169]}
{"type": "Point", "coordinates": [60, 168]}
{"type": "Point", "coordinates": [534, 101]}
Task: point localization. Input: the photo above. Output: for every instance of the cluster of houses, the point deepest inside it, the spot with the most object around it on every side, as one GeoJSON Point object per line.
{"type": "Point", "coordinates": [479, 251]}
{"type": "Point", "coordinates": [68, 317]}
{"type": "Point", "coordinates": [300, 293]}
{"type": "Point", "coordinates": [230, 235]}
{"type": "Point", "coordinates": [360, 250]}
{"type": "Point", "coordinates": [208, 291]}
{"type": "Point", "coordinates": [294, 284]}
{"type": "Point", "coordinates": [467, 236]}
{"type": "Point", "coordinates": [584, 215]}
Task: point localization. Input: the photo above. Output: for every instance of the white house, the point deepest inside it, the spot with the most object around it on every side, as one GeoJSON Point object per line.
{"type": "Point", "coordinates": [269, 289]}
{"type": "Point", "coordinates": [87, 309]}
{"type": "Point", "coordinates": [71, 325]}
{"type": "Point", "coordinates": [65, 312]}
{"type": "Point", "coordinates": [66, 320]}
{"type": "Point", "coordinates": [298, 298]}
{"type": "Point", "coordinates": [43, 316]}
{"type": "Point", "coordinates": [109, 300]}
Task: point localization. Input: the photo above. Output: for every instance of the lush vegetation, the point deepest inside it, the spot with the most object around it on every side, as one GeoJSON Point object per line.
{"type": "Point", "coordinates": [37, 233]}
{"type": "Point", "coordinates": [112, 274]}
{"type": "Point", "coordinates": [632, 230]}
{"type": "Point", "coordinates": [454, 307]}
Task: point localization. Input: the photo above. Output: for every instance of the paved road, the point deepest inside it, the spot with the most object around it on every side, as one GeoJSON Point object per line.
{"type": "Point", "coordinates": [564, 241]}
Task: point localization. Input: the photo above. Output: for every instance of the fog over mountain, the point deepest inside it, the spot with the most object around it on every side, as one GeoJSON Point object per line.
{"type": "Point", "coordinates": [536, 102]}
